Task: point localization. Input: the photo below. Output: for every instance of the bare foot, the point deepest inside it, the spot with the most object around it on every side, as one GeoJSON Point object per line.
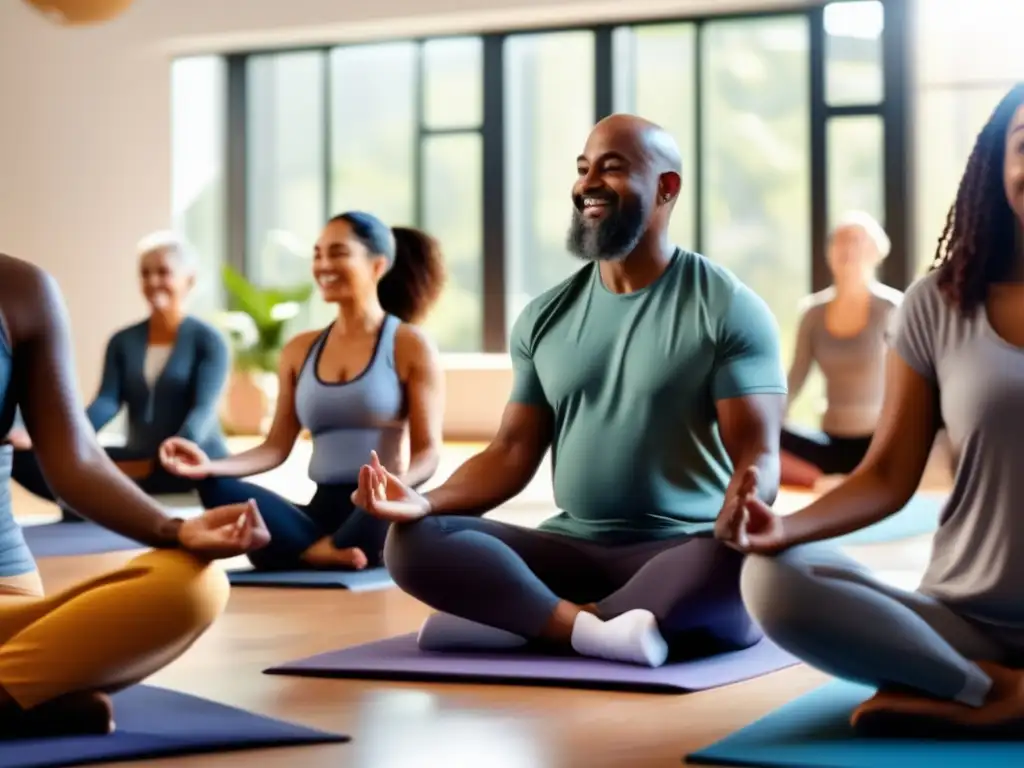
{"type": "Point", "coordinates": [352, 557]}
{"type": "Point", "coordinates": [901, 713]}
{"type": "Point", "coordinates": [76, 714]}
{"type": "Point", "coordinates": [19, 439]}
{"type": "Point", "coordinates": [323, 554]}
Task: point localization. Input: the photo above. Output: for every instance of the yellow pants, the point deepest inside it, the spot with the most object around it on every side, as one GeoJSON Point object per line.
{"type": "Point", "coordinates": [108, 632]}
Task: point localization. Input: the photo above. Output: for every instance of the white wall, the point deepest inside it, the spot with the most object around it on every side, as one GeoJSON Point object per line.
{"type": "Point", "coordinates": [85, 132]}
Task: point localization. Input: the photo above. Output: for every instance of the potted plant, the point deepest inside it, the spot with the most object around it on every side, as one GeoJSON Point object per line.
{"type": "Point", "coordinates": [256, 323]}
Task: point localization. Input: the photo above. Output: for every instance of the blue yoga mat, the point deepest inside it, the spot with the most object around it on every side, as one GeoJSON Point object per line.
{"type": "Point", "coordinates": [86, 538]}
{"type": "Point", "coordinates": [156, 722]}
{"type": "Point", "coordinates": [919, 516]}
{"type": "Point", "coordinates": [814, 731]}
{"type": "Point", "coordinates": [354, 581]}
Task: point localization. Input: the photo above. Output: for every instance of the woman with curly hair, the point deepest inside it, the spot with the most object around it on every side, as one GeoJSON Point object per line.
{"type": "Point", "coordinates": [358, 386]}
{"type": "Point", "coordinates": [946, 658]}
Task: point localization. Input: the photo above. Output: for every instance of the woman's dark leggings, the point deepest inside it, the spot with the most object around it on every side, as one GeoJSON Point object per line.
{"type": "Point", "coordinates": [27, 473]}
{"type": "Point", "coordinates": [294, 527]}
{"type": "Point", "coordinates": [832, 454]}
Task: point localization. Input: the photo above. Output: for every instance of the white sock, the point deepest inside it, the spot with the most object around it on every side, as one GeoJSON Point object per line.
{"type": "Point", "coordinates": [445, 632]}
{"type": "Point", "coordinates": [633, 637]}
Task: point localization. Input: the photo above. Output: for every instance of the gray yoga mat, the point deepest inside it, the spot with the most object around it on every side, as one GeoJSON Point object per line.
{"type": "Point", "coordinates": [85, 538]}
{"type": "Point", "coordinates": [399, 658]}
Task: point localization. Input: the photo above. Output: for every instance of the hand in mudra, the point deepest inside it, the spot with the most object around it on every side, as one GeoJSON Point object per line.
{"type": "Point", "coordinates": [184, 458]}
{"type": "Point", "coordinates": [383, 495]}
{"type": "Point", "coordinates": [224, 532]}
{"type": "Point", "coordinates": [747, 524]}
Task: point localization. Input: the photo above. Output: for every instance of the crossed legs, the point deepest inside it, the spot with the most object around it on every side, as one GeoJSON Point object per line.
{"type": "Point", "coordinates": [299, 534]}
{"type": "Point", "coordinates": [931, 666]}
{"type": "Point", "coordinates": [617, 602]}
{"type": "Point", "coordinates": [60, 654]}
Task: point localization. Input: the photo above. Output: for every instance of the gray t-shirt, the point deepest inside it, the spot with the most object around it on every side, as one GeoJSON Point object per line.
{"type": "Point", "coordinates": [853, 366]}
{"type": "Point", "coordinates": [980, 381]}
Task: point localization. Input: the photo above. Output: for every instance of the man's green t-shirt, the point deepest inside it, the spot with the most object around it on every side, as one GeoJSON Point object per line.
{"type": "Point", "coordinates": [632, 380]}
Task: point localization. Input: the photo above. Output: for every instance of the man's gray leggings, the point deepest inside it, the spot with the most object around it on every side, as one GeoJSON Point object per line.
{"type": "Point", "coordinates": [512, 578]}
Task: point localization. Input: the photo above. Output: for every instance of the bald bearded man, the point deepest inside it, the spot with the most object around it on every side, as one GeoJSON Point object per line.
{"type": "Point", "coordinates": [651, 373]}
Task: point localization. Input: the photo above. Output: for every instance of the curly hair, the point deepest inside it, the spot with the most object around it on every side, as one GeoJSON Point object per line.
{"type": "Point", "coordinates": [416, 276]}
{"type": "Point", "coordinates": [978, 243]}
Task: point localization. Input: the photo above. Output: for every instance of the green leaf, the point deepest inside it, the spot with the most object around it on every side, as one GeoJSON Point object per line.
{"type": "Point", "coordinates": [258, 303]}
{"type": "Point", "coordinates": [245, 297]}
{"type": "Point", "coordinates": [299, 294]}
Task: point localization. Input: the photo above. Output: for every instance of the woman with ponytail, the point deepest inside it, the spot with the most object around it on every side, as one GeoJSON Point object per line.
{"type": "Point", "coordinates": [357, 386]}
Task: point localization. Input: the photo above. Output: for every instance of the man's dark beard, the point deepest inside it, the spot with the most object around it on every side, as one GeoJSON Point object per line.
{"type": "Point", "coordinates": [613, 237]}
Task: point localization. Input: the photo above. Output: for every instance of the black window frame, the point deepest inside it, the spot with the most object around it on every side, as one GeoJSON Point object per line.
{"type": "Point", "coordinates": [895, 109]}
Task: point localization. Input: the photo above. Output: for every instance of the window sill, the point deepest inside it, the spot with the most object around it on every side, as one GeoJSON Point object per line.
{"type": "Point", "coordinates": [475, 361]}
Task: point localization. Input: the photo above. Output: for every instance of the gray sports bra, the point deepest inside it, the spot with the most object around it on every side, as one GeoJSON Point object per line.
{"type": "Point", "coordinates": [349, 419]}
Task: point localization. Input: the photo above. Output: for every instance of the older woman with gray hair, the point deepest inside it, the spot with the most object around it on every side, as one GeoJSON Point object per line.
{"type": "Point", "coordinates": [844, 330]}
{"type": "Point", "coordinates": [168, 371]}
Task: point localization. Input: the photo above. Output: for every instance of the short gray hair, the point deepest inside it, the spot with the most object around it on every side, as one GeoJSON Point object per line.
{"type": "Point", "coordinates": [869, 225]}
{"type": "Point", "coordinates": [168, 241]}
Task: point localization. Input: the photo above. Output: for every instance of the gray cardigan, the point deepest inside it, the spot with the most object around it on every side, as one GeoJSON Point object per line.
{"type": "Point", "coordinates": [184, 398]}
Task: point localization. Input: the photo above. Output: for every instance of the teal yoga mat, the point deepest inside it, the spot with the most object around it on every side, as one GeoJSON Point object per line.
{"type": "Point", "coordinates": [919, 516]}
{"type": "Point", "coordinates": [814, 732]}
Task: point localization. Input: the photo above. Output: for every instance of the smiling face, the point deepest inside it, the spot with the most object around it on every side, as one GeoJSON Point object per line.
{"type": "Point", "coordinates": [1013, 166]}
{"type": "Point", "coordinates": [343, 267]}
{"type": "Point", "coordinates": [613, 197]}
{"type": "Point", "coordinates": [164, 279]}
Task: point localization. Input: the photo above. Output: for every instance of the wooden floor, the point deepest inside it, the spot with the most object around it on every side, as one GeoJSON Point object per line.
{"type": "Point", "coordinates": [412, 725]}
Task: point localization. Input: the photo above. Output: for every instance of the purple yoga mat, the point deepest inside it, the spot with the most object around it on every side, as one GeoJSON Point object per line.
{"type": "Point", "coordinates": [399, 658]}
{"type": "Point", "coordinates": [85, 538]}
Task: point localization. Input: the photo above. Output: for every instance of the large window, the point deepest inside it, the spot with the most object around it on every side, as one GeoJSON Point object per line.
{"type": "Point", "coordinates": [756, 170]}
{"type": "Point", "coordinates": [967, 57]}
{"type": "Point", "coordinates": [451, 189]}
{"type": "Point", "coordinates": [372, 136]}
{"type": "Point", "coordinates": [856, 168]}
{"type": "Point", "coordinates": [198, 169]}
{"type": "Point", "coordinates": [549, 110]}
{"type": "Point", "coordinates": [654, 68]}
{"type": "Point", "coordinates": [392, 129]}
{"type": "Point", "coordinates": [854, 92]}
{"type": "Point", "coordinates": [284, 176]}
{"type": "Point", "coordinates": [782, 121]}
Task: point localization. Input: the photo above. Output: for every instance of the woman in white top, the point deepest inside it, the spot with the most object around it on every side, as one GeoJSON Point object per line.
{"type": "Point", "coordinates": [168, 371]}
